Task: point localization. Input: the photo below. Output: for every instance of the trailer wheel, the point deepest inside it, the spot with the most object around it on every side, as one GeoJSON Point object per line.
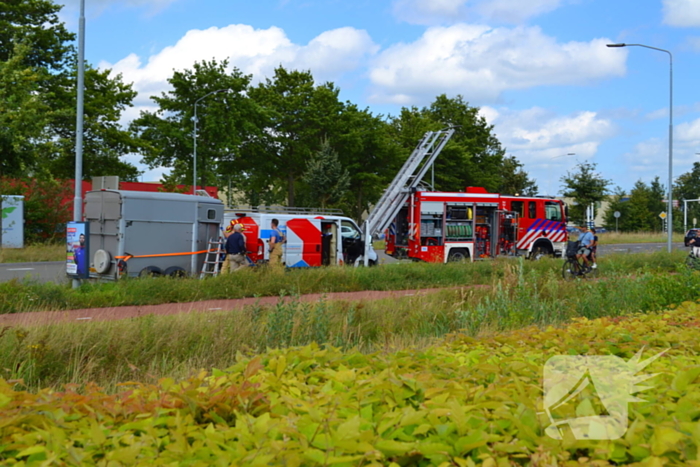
{"type": "Point", "coordinates": [175, 271]}
{"type": "Point", "coordinates": [458, 254]}
{"type": "Point", "coordinates": [150, 271]}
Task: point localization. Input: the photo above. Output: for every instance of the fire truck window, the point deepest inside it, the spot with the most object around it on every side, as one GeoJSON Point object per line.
{"type": "Point", "coordinates": [552, 211]}
{"type": "Point", "coordinates": [531, 210]}
{"type": "Point", "coordinates": [518, 206]}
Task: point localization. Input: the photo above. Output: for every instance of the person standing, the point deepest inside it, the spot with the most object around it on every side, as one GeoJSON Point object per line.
{"type": "Point", "coordinates": [235, 250]}
{"type": "Point", "coordinates": [594, 249]}
{"type": "Point", "coordinates": [275, 243]}
{"type": "Point", "coordinates": [79, 254]}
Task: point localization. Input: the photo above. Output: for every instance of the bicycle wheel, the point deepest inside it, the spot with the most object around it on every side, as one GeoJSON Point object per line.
{"type": "Point", "coordinates": [570, 270]}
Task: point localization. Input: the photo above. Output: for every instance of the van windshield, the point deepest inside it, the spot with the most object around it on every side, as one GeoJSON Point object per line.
{"type": "Point", "coordinates": [349, 230]}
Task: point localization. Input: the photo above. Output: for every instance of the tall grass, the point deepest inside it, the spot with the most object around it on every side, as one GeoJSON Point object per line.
{"type": "Point", "coordinates": [152, 347]}
{"type": "Point", "coordinates": [637, 237]}
{"type": "Point", "coordinates": [34, 253]}
{"type": "Point", "coordinates": [22, 296]}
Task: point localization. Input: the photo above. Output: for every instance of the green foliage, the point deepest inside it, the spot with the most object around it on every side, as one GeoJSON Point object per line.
{"type": "Point", "coordinates": [473, 156]}
{"type": "Point", "coordinates": [327, 179]}
{"type": "Point", "coordinates": [639, 212]}
{"type": "Point", "coordinates": [463, 402]}
{"type": "Point", "coordinates": [300, 115]}
{"type": "Point", "coordinates": [688, 187]}
{"type": "Point", "coordinates": [228, 125]}
{"type": "Point", "coordinates": [22, 113]}
{"type": "Point", "coordinates": [36, 24]}
{"type": "Point", "coordinates": [586, 187]}
{"type": "Point", "coordinates": [45, 212]}
{"type": "Point", "coordinates": [38, 68]}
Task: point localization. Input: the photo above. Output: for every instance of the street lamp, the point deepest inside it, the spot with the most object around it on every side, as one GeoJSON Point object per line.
{"type": "Point", "coordinates": [557, 157]}
{"type": "Point", "coordinates": [669, 214]}
{"type": "Point", "coordinates": [194, 155]}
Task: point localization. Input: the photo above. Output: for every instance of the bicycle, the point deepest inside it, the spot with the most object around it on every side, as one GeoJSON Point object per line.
{"type": "Point", "coordinates": [573, 267]}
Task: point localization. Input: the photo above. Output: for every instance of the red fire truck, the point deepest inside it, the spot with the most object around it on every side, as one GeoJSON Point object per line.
{"type": "Point", "coordinates": [440, 227]}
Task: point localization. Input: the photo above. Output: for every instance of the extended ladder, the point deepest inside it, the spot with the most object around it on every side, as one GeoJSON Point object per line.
{"type": "Point", "coordinates": [408, 178]}
{"type": "Point", "coordinates": [212, 260]}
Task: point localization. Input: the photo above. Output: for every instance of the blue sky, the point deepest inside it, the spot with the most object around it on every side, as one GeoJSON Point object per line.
{"type": "Point", "coordinates": [538, 69]}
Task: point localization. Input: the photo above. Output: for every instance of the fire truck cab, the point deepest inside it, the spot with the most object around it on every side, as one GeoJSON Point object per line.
{"type": "Point", "coordinates": [441, 226]}
{"type": "Point", "coordinates": [311, 239]}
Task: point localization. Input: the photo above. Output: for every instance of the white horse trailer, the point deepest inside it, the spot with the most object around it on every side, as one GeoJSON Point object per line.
{"type": "Point", "coordinates": [144, 233]}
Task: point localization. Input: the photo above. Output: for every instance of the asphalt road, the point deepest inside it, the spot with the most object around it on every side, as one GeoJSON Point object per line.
{"type": "Point", "coordinates": [45, 271]}
{"type": "Point", "coordinates": [55, 271]}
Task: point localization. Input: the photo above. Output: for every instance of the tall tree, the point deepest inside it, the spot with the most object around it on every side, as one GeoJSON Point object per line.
{"type": "Point", "coordinates": [473, 156]}
{"type": "Point", "coordinates": [105, 142]}
{"type": "Point", "coordinates": [617, 203]}
{"type": "Point", "coordinates": [514, 179]}
{"type": "Point", "coordinates": [369, 153]}
{"type": "Point", "coordinates": [586, 187]}
{"type": "Point", "coordinates": [22, 114]}
{"type": "Point", "coordinates": [39, 60]}
{"type": "Point", "coordinates": [300, 114]}
{"type": "Point", "coordinates": [228, 122]}
{"type": "Point", "coordinates": [36, 24]}
{"type": "Point", "coordinates": [327, 179]}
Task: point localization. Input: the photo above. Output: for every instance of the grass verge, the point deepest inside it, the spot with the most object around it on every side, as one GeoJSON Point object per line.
{"type": "Point", "coordinates": [25, 296]}
{"type": "Point", "coordinates": [152, 347]}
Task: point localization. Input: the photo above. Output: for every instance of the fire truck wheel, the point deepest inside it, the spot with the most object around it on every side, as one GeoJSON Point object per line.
{"type": "Point", "coordinates": [150, 271]}
{"type": "Point", "coordinates": [458, 255]}
{"type": "Point", "coordinates": [359, 262]}
{"type": "Point", "coordinates": [175, 271]}
{"type": "Point", "coordinates": [540, 251]}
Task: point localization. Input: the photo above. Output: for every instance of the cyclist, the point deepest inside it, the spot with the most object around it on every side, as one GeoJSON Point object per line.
{"type": "Point", "coordinates": [585, 241]}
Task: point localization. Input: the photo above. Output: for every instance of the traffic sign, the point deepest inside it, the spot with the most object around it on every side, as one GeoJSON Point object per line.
{"type": "Point", "coordinates": [616, 214]}
{"type": "Point", "coordinates": [662, 215]}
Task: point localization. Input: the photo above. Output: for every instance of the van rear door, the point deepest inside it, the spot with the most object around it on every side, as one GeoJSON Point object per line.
{"type": "Point", "coordinates": [303, 248]}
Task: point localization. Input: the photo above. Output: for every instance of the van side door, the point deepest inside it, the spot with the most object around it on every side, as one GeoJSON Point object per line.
{"type": "Point", "coordinates": [303, 248]}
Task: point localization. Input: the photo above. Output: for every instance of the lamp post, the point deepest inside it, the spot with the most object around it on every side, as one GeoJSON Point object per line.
{"type": "Point", "coordinates": [669, 214]}
{"type": "Point", "coordinates": [194, 155]}
{"type": "Point", "coordinates": [80, 85]}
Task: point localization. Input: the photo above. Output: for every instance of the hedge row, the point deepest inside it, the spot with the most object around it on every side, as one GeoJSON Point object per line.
{"type": "Point", "coordinates": [465, 402]}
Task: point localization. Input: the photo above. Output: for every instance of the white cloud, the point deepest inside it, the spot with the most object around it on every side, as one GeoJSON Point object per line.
{"type": "Point", "coordinates": [481, 62]}
{"type": "Point", "coordinates": [544, 135]}
{"type": "Point", "coordinates": [548, 144]}
{"type": "Point", "coordinates": [682, 13]}
{"type": "Point", "coordinates": [648, 158]}
{"type": "Point", "coordinates": [435, 12]}
{"type": "Point", "coordinates": [253, 51]}
{"type": "Point", "coordinates": [688, 134]}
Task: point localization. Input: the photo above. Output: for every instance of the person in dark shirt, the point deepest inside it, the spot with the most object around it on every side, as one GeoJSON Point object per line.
{"type": "Point", "coordinates": [79, 256]}
{"type": "Point", "coordinates": [235, 250]}
{"type": "Point", "coordinates": [594, 249]}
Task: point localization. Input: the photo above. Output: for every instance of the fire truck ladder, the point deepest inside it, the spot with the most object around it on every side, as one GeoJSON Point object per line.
{"type": "Point", "coordinates": [408, 178]}
{"type": "Point", "coordinates": [212, 260]}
